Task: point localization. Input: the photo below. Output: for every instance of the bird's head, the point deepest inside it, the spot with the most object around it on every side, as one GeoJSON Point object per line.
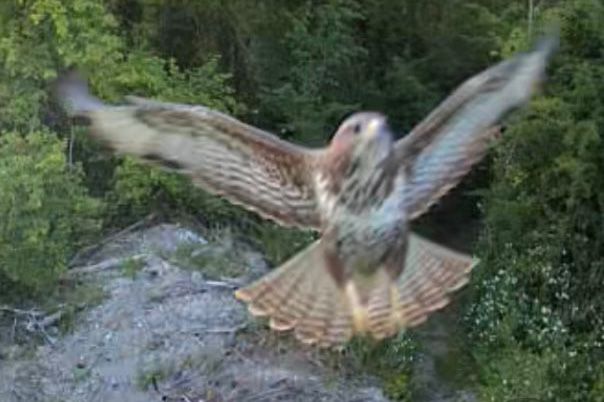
{"type": "Point", "coordinates": [365, 136]}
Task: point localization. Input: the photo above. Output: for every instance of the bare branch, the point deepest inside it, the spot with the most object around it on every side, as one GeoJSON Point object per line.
{"type": "Point", "coordinates": [35, 321]}
{"type": "Point", "coordinates": [104, 265]}
{"type": "Point", "coordinates": [229, 330]}
{"type": "Point", "coordinates": [137, 225]}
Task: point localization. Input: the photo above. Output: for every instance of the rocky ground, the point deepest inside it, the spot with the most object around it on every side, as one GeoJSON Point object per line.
{"type": "Point", "coordinates": [166, 332]}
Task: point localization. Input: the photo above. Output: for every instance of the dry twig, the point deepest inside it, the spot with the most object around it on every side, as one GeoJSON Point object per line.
{"type": "Point", "coordinates": [36, 321]}
{"type": "Point", "coordinates": [87, 250]}
{"type": "Point", "coordinates": [104, 265]}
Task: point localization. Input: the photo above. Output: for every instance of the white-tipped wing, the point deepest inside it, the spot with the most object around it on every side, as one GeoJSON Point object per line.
{"type": "Point", "coordinates": [456, 135]}
{"type": "Point", "coordinates": [248, 166]}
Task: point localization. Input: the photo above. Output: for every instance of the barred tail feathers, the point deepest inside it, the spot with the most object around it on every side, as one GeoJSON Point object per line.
{"type": "Point", "coordinates": [301, 295]}
{"type": "Point", "coordinates": [431, 273]}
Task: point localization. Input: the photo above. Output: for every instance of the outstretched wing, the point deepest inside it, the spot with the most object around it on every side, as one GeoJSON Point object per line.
{"type": "Point", "coordinates": [248, 166]}
{"type": "Point", "coordinates": [456, 135]}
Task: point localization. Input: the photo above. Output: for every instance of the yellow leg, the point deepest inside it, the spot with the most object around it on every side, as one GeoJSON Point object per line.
{"type": "Point", "coordinates": [397, 319]}
{"type": "Point", "coordinates": [359, 313]}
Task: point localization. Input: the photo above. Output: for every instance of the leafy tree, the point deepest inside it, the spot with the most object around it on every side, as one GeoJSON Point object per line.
{"type": "Point", "coordinates": [325, 64]}
{"type": "Point", "coordinates": [37, 37]}
{"type": "Point", "coordinates": [540, 293]}
{"type": "Point", "coordinates": [46, 211]}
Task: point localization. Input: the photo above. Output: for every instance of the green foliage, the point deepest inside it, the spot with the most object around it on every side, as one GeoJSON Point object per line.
{"type": "Point", "coordinates": [391, 360]}
{"type": "Point", "coordinates": [44, 36]}
{"type": "Point", "coordinates": [156, 372]}
{"type": "Point", "coordinates": [517, 375]}
{"type": "Point", "coordinates": [398, 386]}
{"type": "Point", "coordinates": [325, 57]}
{"type": "Point", "coordinates": [538, 311]}
{"type": "Point", "coordinates": [132, 267]}
{"type": "Point", "coordinates": [217, 259]}
{"type": "Point", "coordinates": [279, 243]}
{"type": "Point", "coordinates": [597, 392]}
{"type": "Point", "coordinates": [37, 37]}
{"type": "Point", "coordinates": [46, 211]}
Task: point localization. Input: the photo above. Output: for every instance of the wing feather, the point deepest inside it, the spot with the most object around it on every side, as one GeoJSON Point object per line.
{"type": "Point", "coordinates": [440, 150]}
{"type": "Point", "coordinates": [248, 166]}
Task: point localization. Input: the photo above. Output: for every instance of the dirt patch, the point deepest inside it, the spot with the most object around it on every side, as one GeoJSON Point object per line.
{"type": "Point", "coordinates": [172, 334]}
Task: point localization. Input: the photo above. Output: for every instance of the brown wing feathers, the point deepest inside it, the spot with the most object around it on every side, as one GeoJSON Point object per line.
{"type": "Point", "coordinates": [250, 171]}
{"type": "Point", "coordinates": [248, 166]}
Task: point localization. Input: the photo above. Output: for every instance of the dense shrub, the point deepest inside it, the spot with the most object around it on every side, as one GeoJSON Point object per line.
{"type": "Point", "coordinates": [46, 212]}
{"type": "Point", "coordinates": [537, 317]}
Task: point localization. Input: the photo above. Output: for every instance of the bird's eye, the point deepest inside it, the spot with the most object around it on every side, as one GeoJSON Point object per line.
{"type": "Point", "coordinates": [356, 128]}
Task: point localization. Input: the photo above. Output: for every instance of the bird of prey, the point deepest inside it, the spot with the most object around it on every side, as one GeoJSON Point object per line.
{"type": "Point", "coordinates": [367, 273]}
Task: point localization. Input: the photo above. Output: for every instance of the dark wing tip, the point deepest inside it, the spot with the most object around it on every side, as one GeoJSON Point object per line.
{"type": "Point", "coordinates": [71, 91]}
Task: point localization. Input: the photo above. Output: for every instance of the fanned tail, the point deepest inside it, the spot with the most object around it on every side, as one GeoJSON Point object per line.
{"type": "Point", "coordinates": [431, 273]}
{"type": "Point", "coordinates": [301, 295]}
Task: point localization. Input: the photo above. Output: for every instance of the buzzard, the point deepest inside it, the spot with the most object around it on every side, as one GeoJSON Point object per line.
{"type": "Point", "coordinates": [368, 273]}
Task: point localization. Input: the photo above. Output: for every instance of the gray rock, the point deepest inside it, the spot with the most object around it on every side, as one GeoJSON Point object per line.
{"type": "Point", "coordinates": [170, 335]}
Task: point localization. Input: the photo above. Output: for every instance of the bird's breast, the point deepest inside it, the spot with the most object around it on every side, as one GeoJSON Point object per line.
{"type": "Point", "coordinates": [363, 234]}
